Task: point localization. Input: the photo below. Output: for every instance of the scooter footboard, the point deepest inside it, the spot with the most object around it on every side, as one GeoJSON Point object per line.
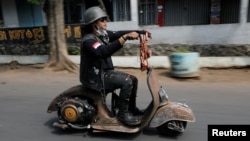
{"type": "Point", "coordinates": [172, 111]}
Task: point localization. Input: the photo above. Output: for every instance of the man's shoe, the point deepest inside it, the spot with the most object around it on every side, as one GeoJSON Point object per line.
{"type": "Point", "coordinates": [137, 111]}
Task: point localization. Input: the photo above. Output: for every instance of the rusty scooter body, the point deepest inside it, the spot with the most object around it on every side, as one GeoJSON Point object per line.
{"type": "Point", "coordinates": [81, 108]}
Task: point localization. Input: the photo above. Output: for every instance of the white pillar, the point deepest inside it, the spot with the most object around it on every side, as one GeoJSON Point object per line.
{"type": "Point", "coordinates": [243, 11]}
{"type": "Point", "coordinates": [134, 10]}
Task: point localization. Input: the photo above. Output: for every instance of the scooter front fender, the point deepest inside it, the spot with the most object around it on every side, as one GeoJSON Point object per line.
{"type": "Point", "coordinates": [172, 111]}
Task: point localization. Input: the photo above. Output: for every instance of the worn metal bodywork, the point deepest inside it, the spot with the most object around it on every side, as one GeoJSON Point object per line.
{"type": "Point", "coordinates": [172, 111]}
{"type": "Point", "coordinates": [105, 119]}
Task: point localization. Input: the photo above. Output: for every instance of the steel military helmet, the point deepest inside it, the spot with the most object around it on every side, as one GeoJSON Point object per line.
{"type": "Point", "coordinates": [92, 14]}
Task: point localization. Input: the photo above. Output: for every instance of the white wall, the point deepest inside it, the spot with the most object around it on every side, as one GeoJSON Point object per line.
{"type": "Point", "coordinates": [201, 34]}
{"type": "Point", "coordinates": [204, 34]}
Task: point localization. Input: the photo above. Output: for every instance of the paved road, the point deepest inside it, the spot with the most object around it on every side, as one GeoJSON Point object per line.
{"type": "Point", "coordinates": [24, 100]}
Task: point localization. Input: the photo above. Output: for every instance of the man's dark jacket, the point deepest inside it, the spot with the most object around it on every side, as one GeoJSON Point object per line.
{"type": "Point", "coordinates": [96, 57]}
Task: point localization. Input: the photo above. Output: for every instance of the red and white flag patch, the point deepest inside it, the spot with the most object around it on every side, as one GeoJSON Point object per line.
{"type": "Point", "coordinates": [96, 45]}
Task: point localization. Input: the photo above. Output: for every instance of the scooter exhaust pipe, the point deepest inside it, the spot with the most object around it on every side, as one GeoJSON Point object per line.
{"type": "Point", "coordinates": [60, 125]}
{"type": "Point", "coordinates": [69, 125]}
{"type": "Point", "coordinates": [79, 127]}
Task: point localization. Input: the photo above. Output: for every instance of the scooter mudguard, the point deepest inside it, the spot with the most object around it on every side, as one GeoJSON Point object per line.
{"type": "Point", "coordinates": [77, 90]}
{"type": "Point", "coordinates": [172, 111]}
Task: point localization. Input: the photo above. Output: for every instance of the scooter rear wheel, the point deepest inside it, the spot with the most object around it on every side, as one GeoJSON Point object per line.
{"type": "Point", "coordinates": [172, 128]}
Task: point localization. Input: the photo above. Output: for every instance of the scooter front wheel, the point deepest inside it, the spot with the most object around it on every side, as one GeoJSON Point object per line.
{"type": "Point", "coordinates": [172, 128]}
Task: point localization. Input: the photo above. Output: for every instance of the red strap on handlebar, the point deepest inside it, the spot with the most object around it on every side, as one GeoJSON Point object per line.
{"type": "Point", "coordinates": [144, 51]}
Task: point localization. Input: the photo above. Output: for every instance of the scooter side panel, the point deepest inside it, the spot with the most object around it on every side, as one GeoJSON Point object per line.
{"type": "Point", "coordinates": [172, 111]}
{"type": "Point", "coordinates": [77, 90]}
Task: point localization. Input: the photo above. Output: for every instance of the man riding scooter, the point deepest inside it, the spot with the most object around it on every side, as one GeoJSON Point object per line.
{"type": "Point", "coordinates": [84, 106]}
{"type": "Point", "coordinates": [96, 68]}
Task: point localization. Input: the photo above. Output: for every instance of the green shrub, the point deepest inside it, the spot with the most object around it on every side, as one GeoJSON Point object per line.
{"type": "Point", "coordinates": [73, 50]}
{"type": "Point", "coordinates": [182, 50]}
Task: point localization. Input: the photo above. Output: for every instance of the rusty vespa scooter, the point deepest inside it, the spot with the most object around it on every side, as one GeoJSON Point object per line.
{"type": "Point", "coordinates": [82, 108]}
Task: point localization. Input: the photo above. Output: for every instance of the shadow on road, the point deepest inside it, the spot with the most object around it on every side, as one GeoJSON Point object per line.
{"type": "Point", "coordinates": [105, 135]}
{"type": "Point", "coordinates": [184, 79]}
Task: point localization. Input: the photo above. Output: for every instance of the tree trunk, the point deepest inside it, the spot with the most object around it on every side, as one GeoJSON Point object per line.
{"type": "Point", "coordinates": [58, 57]}
{"type": "Point", "coordinates": [51, 32]}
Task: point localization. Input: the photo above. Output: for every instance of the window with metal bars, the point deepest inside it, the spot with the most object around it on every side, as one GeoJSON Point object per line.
{"type": "Point", "coordinates": [121, 10]}
{"type": "Point", "coordinates": [230, 11]}
{"type": "Point", "coordinates": [147, 12]}
{"type": "Point", "coordinates": [117, 10]}
{"type": "Point", "coordinates": [200, 12]}
{"type": "Point", "coordinates": [73, 11]}
{"type": "Point", "coordinates": [186, 12]}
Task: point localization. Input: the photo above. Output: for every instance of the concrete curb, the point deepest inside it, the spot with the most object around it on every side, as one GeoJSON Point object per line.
{"type": "Point", "coordinates": [134, 61]}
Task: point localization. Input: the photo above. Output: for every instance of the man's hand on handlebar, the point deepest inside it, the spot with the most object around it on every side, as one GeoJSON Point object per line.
{"type": "Point", "coordinates": [135, 35]}
{"type": "Point", "coordinates": [131, 36]}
